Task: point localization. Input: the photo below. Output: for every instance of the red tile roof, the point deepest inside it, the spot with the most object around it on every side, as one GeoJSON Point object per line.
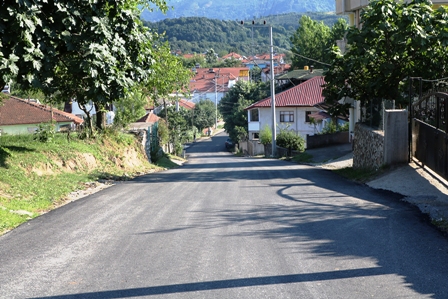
{"type": "Point", "coordinates": [308, 94]}
{"type": "Point", "coordinates": [203, 81]}
{"type": "Point", "coordinates": [15, 111]}
{"type": "Point", "coordinates": [149, 118]}
{"type": "Point", "coordinates": [232, 55]}
{"type": "Point", "coordinates": [186, 104]}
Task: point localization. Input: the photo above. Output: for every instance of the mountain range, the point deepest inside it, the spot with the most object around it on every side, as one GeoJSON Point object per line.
{"type": "Point", "coordinates": [237, 9]}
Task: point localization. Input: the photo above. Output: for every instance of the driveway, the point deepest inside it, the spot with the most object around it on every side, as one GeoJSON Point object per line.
{"type": "Point", "coordinates": [223, 226]}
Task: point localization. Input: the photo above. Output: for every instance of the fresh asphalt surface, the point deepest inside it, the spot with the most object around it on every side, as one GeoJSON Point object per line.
{"type": "Point", "coordinates": [223, 226]}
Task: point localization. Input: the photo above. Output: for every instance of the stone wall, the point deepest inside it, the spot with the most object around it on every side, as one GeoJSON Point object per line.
{"type": "Point", "coordinates": [316, 141]}
{"type": "Point", "coordinates": [368, 147]}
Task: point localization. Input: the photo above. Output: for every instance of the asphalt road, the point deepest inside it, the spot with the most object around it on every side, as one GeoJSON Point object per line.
{"type": "Point", "coordinates": [228, 227]}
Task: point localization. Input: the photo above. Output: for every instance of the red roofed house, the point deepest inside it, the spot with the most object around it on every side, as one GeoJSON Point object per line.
{"type": "Point", "coordinates": [292, 109]}
{"type": "Point", "coordinates": [233, 55]}
{"type": "Point", "coordinates": [214, 83]}
{"type": "Point", "coordinates": [18, 116]}
{"type": "Point", "coordinates": [146, 121]}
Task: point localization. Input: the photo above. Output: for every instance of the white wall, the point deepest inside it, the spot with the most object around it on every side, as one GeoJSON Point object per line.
{"type": "Point", "coordinates": [299, 125]}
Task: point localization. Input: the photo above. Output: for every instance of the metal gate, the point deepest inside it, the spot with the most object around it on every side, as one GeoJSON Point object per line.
{"type": "Point", "coordinates": [429, 132]}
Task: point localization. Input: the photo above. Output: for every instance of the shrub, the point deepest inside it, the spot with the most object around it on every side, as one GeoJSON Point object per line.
{"type": "Point", "coordinates": [45, 132]}
{"type": "Point", "coordinates": [290, 140]}
{"type": "Point", "coordinates": [266, 135]}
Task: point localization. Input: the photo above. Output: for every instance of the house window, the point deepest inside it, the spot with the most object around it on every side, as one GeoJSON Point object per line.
{"type": "Point", "coordinates": [254, 115]}
{"type": "Point", "coordinates": [307, 116]}
{"type": "Point", "coordinates": [286, 116]}
{"type": "Point", "coordinates": [255, 136]}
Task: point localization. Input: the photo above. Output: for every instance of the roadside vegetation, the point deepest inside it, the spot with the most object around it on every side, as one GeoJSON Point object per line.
{"type": "Point", "coordinates": [36, 177]}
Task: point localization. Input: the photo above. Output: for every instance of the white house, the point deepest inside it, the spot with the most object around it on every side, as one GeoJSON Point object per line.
{"type": "Point", "coordinates": [18, 116]}
{"type": "Point", "coordinates": [293, 108]}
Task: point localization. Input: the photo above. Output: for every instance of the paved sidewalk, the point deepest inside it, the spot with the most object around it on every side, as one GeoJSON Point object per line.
{"type": "Point", "coordinates": [419, 185]}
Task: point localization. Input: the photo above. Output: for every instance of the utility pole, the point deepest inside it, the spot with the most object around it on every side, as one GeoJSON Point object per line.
{"type": "Point", "coordinates": [274, 122]}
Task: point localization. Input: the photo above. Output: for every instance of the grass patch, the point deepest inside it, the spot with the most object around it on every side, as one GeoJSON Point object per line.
{"type": "Point", "coordinates": [167, 162]}
{"type": "Point", "coordinates": [359, 175]}
{"type": "Point", "coordinates": [36, 177]}
{"type": "Point", "coordinates": [303, 158]}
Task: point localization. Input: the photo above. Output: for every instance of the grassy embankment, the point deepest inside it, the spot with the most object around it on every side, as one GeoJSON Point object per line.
{"type": "Point", "coordinates": [36, 177]}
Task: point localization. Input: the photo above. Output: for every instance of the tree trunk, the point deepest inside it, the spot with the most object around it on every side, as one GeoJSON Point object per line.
{"type": "Point", "coordinates": [100, 116]}
{"type": "Point", "coordinates": [89, 118]}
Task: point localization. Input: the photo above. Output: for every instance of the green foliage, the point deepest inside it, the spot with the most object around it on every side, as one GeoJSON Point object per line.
{"type": "Point", "coordinates": [232, 105]}
{"type": "Point", "coordinates": [397, 39]}
{"type": "Point", "coordinates": [195, 61]}
{"type": "Point", "coordinates": [266, 135]}
{"type": "Point", "coordinates": [163, 133]}
{"type": "Point", "coordinates": [204, 114]}
{"type": "Point", "coordinates": [290, 140]}
{"type": "Point", "coordinates": [130, 108]}
{"type": "Point", "coordinates": [45, 132]}
{"type": "Point", "coordinates": [210, 56]}
{"type": "Point", "coordinates": [92, 50]}
{"type": "Point", "coordinates": [313, 39]}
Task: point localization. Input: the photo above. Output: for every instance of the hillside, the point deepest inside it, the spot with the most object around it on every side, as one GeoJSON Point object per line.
{"type": "Point", "coordinates": [37, 177]}
{"type": "Point", "coordinates": [238, 10]}
{"type": "Point", "coordinates": [198, 34]}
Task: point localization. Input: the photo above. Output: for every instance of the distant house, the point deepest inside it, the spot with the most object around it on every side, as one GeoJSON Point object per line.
{"type": "Point", "coordinates": [146, 121]}
{"type": "Point", "coordinates": [233, 55]}
{"type": "Point", "coordinates": [214, 83]}
{"type": "Point", "coordinates": [178, 103]}
{"type": "Point", "coordinates": [18, 116]}
{"type": "Point", "coordinates": [293, 109]}
{"type": "Point", "coordinates": [278, 70]}
{"type": "Point", "coordinates": [263, 60]}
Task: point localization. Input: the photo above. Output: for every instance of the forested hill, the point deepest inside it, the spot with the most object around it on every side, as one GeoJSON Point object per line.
{"type": "Point", "coordinates": [199, 34]}
{"type": "Point", "coordinates": [238, 9]}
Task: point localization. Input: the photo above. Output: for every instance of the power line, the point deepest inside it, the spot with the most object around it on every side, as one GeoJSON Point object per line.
{"type": "Point", "coordinates": [323, 63]}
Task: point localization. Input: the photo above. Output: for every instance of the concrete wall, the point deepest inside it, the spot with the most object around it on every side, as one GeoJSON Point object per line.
{"type": "Point", "coordinates": [374, 148]}
{"type": "Point", "coordinates": [368, 147]}
{"type": "Point", "coordinates": [396, 136]}
{"type": "Point", "coordinates": [316, 141]}
{"type": "Point", "coordinates": [251, 147]}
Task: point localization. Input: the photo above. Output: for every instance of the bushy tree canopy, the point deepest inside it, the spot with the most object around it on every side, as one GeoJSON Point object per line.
{"type": "Point", "coordinates": [204, 114]}
{"type": "Point", "coordinates": [396, 40]}
{"type": "Point", "coordinates": [312, 41]}
{"type": "Point", "coordinates": [232, 107]}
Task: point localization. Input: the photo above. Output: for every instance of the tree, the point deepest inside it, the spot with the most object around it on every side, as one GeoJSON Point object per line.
{"type": "Point", "coordinates": [310, 40]}
{"type": "Point", "coordinates": [396, 40]}
{"type": "Point", "coordinates": [232, 105]}
{"type": "Point", "coordinates": [204, 114]}
{"type": "Point", "coordinates": [314, 40]}
{"type": "Point", "coordinates": [210, 57]}
{"type": "Point", "coordinates": [90, 51]}
{"type": "Point", "coordinates": [130, 108]}
{"type": "Point", "coordinates": [168, 76]}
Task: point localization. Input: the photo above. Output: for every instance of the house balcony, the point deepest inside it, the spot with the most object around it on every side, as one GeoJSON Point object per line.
{"type": "Point", "coordinates": [254, 126]}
